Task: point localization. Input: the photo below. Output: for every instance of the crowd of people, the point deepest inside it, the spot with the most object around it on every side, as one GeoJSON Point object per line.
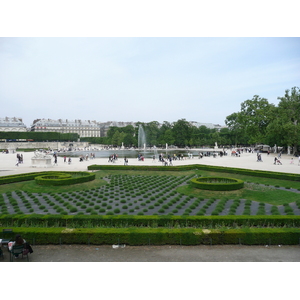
{"type": "Point", "coordinates": [113, 158]}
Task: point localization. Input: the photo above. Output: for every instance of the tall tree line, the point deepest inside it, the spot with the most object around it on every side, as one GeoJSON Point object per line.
{"type": "Point", "coordinates": [180, 133]}
{"type": "Point", "coordinates": [260, 122]}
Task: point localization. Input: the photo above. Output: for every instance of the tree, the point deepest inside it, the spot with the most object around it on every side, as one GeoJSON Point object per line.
{"type": "Point", "coordinates": [254, 117]}
{"type": "Point", "coordinates": [225, 137]}
{"type": "Point", "coordinates": [162, 133]}
{"type": "Point", "coordinates": [182, 132]}
{"type": "Point", "coordinates": [152, 133]}
{"type": "Point", "coordinates": [168, 137]}
{"type": "Point", "coordinates": [287, 121]}
{"type": "Point", "coordinates": [115, 138]}
{"type": "Point", "coordinates": [234, 125]}
{"type": "Point", "coordinates": [252, 121]}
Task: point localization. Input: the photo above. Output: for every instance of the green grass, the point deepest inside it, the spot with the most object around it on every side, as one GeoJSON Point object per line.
{"type": "Point", "coordinates": [253, 179]}
{"type": "Point", "coordinates": [254, 192]}
{"type": "Point", "coordinates": [250, 192]}
{"type": "Point", "coordinates": [32, 187]}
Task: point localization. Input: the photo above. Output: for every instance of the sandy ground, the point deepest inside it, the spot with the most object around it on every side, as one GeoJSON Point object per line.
{"type": "Point", "coordinates": [246, 160]}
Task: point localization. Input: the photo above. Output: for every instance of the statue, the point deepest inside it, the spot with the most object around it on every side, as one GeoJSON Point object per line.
{"type": "Point", "coordinates": [41, 159]}
{"type": "Point", "coordinates": [216, 145]}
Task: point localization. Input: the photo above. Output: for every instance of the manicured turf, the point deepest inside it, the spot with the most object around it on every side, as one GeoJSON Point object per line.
{"type": "Point", "coordinates": [149, 193]}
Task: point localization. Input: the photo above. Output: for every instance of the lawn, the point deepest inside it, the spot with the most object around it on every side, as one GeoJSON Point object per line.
{"type": "Point", "coordinates": [152, 193]}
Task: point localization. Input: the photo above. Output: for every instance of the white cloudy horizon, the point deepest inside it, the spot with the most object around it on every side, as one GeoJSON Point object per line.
{"type": "Point", "coordinates": [142, 79]}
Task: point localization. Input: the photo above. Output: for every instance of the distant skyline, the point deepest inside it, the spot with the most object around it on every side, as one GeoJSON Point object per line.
{"type": "Point", "coordinates": [142, 79]}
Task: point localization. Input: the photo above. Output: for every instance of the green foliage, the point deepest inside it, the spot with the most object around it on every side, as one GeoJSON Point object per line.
{"type": "Point", "coordinates": [79, 221]}
{"type": "Point", "coordinates": [160, 236]}
{"type": "Point", "coordinates": [217, 183]}
{"type": "Point", "coordinates": [258, 121]}
{"type": "Point", "coordinates": [39, 136]}
{"type": "Point", "coordinates": [63, 178]}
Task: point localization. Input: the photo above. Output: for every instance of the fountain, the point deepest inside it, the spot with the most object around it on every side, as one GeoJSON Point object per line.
{"type": "Point", "coordinates": [141, 138]}
{"type": "Point", "coordinates": [155, 152]}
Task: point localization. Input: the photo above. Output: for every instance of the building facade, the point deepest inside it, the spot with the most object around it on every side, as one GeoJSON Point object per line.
{"type": "Point", "coordinates": [208, 125]}
{"type": "Point", "coordinates": [82, 128]}
{"type": "Point", "coordinates": [12, 124]}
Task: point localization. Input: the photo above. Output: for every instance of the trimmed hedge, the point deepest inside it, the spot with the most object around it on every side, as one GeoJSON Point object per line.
{"type": "Point", "coordinates": [18, 178]}
{"type": "Point", "coordinates": [257, 173]}
{"type": "Point", "coordinates": [160, 236]}
{"type": "Point", "coordinates": [83, 177]}
{"type": "Point", "coordinates": [64, 178]}
{"type": "Point", "coordinates": [217, 183]}
{"type": "Point", "coordinates": [122, 221]}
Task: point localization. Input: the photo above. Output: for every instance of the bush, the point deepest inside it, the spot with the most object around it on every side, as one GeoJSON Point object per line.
{"type": "Point", "coordinates": [217, 183]}
{"type": "Point", "coordinates": [63, 178]}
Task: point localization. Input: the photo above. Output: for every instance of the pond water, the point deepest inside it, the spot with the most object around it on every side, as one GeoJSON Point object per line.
{"type": "Point", "coordinates": [134, 153]}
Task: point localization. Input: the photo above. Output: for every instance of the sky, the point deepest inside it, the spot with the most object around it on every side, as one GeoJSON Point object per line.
{"type": "Point", "coordinates": [127, 76]}
{"type": "Point", "coordinates": [142, 79]}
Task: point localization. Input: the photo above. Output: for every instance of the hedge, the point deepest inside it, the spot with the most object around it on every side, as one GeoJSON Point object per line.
{"type": "Point", "coordinates": [64, 178]}
{"type": "Point", "coordinates": [122, 221]}
{"type": "Point", "coordinates": [159, 236]}
{"type": "Point", "coordinates": [83, 177]}
{"type": "Point", "coordinates": [217, 183]}
{"type": "Point", "coordinates": [257, 173]}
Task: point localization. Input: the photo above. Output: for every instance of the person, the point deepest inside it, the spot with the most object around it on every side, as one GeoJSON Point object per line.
{"type": "Point", "coordinates": [259, 157]}
{"type": "Point", "coordinates": [275, 160]}
{"type": "Point", "coordinates": [125, 161]}
{"type": "Point", "coordinates": [298, 160]}
{"type": "Point", "coordinates": [292, 161]}
{"type": "Point", "coordinates": [55, 159]}
{"type": "Point", "coordinates": [19, 241]}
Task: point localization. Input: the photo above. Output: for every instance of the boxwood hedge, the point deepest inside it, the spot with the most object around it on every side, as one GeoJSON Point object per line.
{"type": "Point", "coordinates": [160, 236]}
{"type": "Point", "coordinates": [258, 173]}
{"type": "Point", "coordinates": [73, 177]}
{"type": "Point", "coordinates": [155, 221]}
{"type": "Point", "coordinates": [217, 183]}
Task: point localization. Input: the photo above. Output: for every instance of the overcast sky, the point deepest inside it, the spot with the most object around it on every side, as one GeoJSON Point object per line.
{"type": "Point", "coordinates": [142, 79]}
{"type": "Point", "coordinates": [129, 61]}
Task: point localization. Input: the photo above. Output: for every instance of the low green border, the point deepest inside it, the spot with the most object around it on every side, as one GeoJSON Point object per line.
{"type": "Point", "coordinates": [201, 183]}
{"type": "Point", "coordinates": [63, 178]}
{"type": "Point", "coordinates": [160, 236]}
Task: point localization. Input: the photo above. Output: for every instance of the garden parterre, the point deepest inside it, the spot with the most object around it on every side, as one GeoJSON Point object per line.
{"type": "Point", "coordinates": [138, 195]}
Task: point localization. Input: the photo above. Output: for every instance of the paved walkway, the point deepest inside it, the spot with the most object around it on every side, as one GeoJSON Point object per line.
{"type": "Point", "coordinates": [202, 253]}
{"type": "Point", "coordinates": [246, 160]}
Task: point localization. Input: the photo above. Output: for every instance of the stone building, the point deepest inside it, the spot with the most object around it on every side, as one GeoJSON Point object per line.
{"type": "Point", "coordinates": [83, 128]}
{"type": "Point", "coordinates": [12, 124]}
